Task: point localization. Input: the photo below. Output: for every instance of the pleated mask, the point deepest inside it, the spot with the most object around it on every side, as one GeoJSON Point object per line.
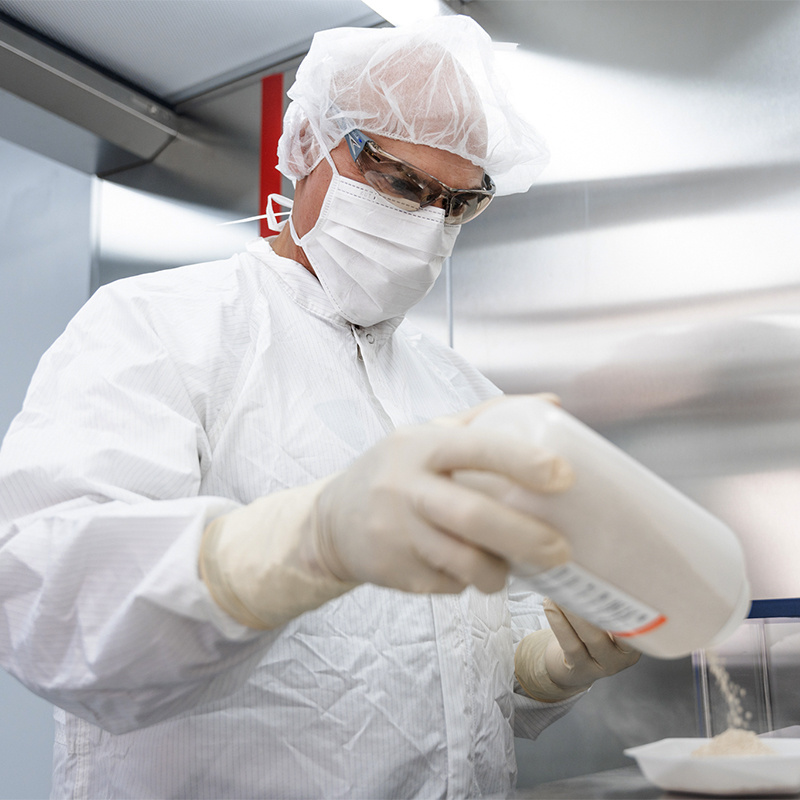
{"type": "Point", "coordinates": [375, 261]}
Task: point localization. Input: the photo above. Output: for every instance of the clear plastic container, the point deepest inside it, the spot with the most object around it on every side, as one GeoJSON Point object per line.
{"type": "Point", "coordinates": [648, 563]}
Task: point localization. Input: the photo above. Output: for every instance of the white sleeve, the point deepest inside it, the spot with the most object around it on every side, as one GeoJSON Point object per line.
{"type": "Point", "coordinates": [103, 612]}
{"type": "Point", "coordinates": [531, 716]}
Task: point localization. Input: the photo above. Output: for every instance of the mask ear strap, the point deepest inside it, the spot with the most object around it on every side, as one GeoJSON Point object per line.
{"type": "Point", "coordinates": [295, 238]}
{"type": "Point", "coordinates": [273, 223]}
{"type": "Point", "coordinates": [271, 216]}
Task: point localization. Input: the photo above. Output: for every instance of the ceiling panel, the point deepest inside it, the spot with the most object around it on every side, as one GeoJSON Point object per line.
{"type": "Point", "coordinates": [175, 49]}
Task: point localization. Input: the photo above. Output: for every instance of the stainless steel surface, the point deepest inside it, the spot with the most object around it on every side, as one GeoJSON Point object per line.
{"type": "Point", "coordinates": [45, 253]}
{"type": "Point", "coordinates": [67, 88]}
{"type": "Point", "coordinates": [177, 49]}
{"type": "Point", "coordinates": [217, 163]}
{"type": "Point", "coordinates": [141, 232]}
{"type": "Point", "coordinates": [31, 126]}
{"type": "Point", "coordinates": [626, 89]}
{"type": "Point", "coordinates": [626, 783]}
{"type": "Point", "coordinates": [45, 257]}
{"type": "Point", "coordinates": [104, 86]}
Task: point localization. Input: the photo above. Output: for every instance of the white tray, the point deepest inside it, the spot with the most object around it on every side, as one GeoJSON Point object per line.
{"type": "Point", "coordinates": [669, 764]}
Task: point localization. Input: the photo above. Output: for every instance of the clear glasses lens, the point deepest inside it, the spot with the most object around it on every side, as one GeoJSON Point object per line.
{"type": "Point", "coordinates": [410, 190]}
{"type": "Point", "coordinates": [395, 187]}
{"type": "Point", "coordinates": [464, 206]}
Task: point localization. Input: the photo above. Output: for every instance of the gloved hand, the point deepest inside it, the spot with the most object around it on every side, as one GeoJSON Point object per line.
{"type": "Point", "coordinates": [395, 518]}
{"type": "Point", "coordinates": [567, 659]}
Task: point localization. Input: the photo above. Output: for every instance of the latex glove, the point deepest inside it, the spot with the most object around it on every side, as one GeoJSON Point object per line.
{"type": "Point", "coordinates": [554, 664]}
{"type": "Point", "coordinates": [394, 518]}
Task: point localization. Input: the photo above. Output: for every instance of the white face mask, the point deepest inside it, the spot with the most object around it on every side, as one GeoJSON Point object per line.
{"type": "Point", "coordinates": [374, 260]}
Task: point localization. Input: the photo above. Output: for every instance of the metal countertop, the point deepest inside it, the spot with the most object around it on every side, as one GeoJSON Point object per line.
{"type": "Point", "coordinates": [626, 783]}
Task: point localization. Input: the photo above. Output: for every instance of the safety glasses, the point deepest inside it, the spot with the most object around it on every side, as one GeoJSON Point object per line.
{"type": "Point", "coordinates": [409, 188]}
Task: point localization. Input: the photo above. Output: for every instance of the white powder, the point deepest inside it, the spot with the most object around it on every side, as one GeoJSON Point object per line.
{"type": "Point", "coordinates": [734, 742]}
{"type": "Point", "coordinates": [732, 692]}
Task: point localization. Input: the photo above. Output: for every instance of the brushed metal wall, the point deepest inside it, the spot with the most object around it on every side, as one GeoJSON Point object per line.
{"type": "Point", "coordinates": [45, 259]}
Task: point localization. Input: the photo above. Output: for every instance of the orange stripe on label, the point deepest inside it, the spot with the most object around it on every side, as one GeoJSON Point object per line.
{"type": "Point", "coordinates": [651, 626]}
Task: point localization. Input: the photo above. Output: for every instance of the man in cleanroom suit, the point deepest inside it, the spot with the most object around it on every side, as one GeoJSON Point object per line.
{"type": "Point", "coordinates": [232, 552]}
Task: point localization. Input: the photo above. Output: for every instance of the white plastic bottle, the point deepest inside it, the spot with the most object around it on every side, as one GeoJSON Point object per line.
{"type": "Point", "coordinates": [648, 563]}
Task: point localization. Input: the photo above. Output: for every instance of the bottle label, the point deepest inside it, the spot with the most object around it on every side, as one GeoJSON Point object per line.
{"type": "Point", "coordinates": [596, 600]}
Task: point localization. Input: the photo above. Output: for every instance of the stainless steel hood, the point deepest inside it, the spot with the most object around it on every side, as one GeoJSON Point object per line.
{"type": "Point", "coordinates": [58, 92]}
{"type": "Point", "coordinates": [103, 85]}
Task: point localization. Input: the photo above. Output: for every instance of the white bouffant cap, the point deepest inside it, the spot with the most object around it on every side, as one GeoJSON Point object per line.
{"type": "Point", "coordinates": [434, 83]}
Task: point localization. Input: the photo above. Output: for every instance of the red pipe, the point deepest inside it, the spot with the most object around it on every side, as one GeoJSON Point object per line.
{"type": "Point", "coordinates": [271, 123]}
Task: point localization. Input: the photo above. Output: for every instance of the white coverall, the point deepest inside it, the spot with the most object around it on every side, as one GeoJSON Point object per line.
{"type": "Point", "coordinates": [171, 398]}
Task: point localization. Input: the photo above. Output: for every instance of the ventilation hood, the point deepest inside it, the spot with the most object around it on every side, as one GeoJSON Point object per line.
{"type": "Point", "coordinates": [101, 85]}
